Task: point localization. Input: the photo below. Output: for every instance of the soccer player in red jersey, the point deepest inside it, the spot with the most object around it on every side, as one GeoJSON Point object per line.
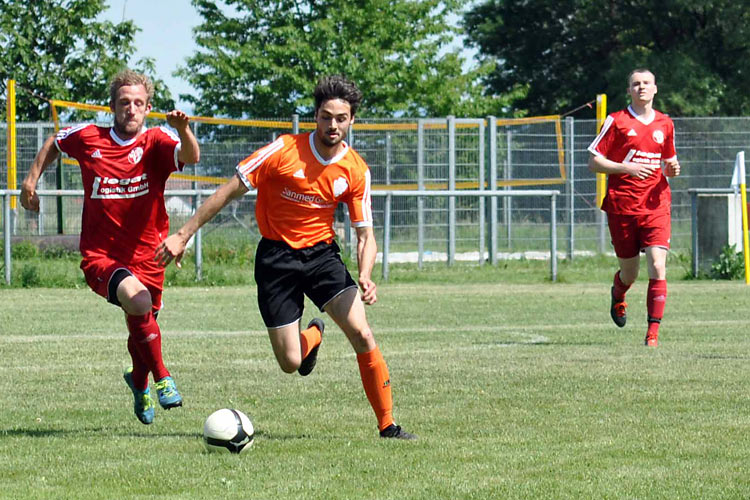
{"type": "Point", "coordinates": [124, 169]}
{"type": "Point", "coordinates": [635, 147]}
{"type": "Point", "coordinates": [300, 180]}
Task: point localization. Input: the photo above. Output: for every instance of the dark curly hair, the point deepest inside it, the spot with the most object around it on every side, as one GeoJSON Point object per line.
{"type": "Point", "coordinates": [337, 87]}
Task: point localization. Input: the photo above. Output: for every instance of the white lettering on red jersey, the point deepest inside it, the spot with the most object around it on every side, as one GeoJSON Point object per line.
{"type": "Point", "coordinates": [627, 137]}
{"type": "Point", "coordinates": [124, 216]}
{"type": "Point", "coordinates": [298, 190]}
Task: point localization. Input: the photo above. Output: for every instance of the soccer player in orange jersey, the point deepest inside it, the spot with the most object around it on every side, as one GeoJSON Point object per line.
{"type": "Point", "coordinates": [631, 147]}
{"type": "Point", "coordinates": [124, 169]}
{"type": "Point", "coordinates": [300, 180]}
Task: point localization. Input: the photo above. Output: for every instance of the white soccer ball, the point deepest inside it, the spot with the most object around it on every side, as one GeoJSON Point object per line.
{"type": "Point", "coordinates": [228, 430]}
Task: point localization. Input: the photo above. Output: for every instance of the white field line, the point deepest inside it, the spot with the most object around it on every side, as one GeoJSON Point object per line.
{"type": "Point", "coordinates": [512, 329]}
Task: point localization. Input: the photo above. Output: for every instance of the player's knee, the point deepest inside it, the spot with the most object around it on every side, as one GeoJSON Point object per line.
{"type": "Point", "coordinates": [139, 304]}
{"type": "Point", "coordinates": [361, 339]}
{"type": "Point", "coordinates": [288, 366]}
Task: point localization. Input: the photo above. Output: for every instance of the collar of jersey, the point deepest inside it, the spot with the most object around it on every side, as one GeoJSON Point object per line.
{"type": "Point", "coordinates": [320, 158]}
{"type": "Point", "coordinates": [119, 141]}
{"type": "Point", "coordinates": [642, 119]}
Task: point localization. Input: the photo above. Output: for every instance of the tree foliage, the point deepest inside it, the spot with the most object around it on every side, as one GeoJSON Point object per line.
{"type": "Point", "coordinates": [262, 58]}
{"type": "Point", "coordinates": [567, 51]}
{"type": "Point", "coordinates": [56, 49]}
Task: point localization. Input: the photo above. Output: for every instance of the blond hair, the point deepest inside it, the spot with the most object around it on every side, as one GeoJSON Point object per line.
{"type": "Point", "coordinates": [130, 77]}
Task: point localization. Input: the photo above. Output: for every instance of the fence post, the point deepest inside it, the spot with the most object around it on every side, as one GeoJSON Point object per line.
{"type": "Point", "coordinates": [481, 208]}
{"type": "Point", "coordinates": [295, 123]}
{"type": "Point", "coordinates": [386, 235]}
{"type": "Point", "coordinates": [694, 230]}
{"type": "Point", "coordinates": [451, 187]}
{"type": "Point", "coordinates": [553, 236]}
{"type": "Point", "coordinates": [508, 175]}
{"type": "Point", "coordinates": [570, 131]}
{"type": "Point", "coordinates": [198, 244]}
{"type": "Point", "coordinates": [493, 187]}
{"type": "Point", "coordinates": [6, 236]}
{"type": "Point", "coordinates": [42, 201]}
{"type": "Point", "coordinates": [420, 187]}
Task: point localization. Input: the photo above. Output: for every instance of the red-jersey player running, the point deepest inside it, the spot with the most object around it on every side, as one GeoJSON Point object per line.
{"type": "Point", "coordinates": [124, 169]}
{"type": "Point", "coordinates": [631, 147]}
{"type": "Point", "coordinates": [300, 179]}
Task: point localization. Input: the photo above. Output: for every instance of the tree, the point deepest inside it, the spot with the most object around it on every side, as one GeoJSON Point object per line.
{"type": "Point", "coordinates": [567, 51]}
{"type": "Point", "coordinates": [264, 59]}
{"type": "Point", "coordinates": [56, 49]}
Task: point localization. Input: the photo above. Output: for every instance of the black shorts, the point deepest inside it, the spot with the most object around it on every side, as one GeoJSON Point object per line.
{"type": "Point", "coordinates": [285, 275]}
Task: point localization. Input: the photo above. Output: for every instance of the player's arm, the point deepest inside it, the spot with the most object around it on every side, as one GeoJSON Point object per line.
{"type": "Point", "coordinates": [603, 165]}
{"type": "Point", "coordinates": [671, 167]}
{"type": "Point", "coordinates": [44, 158]}
{"type": "Point", "coordinates": [174, 246]}
{"type": "Point", "coordinates": [367, 250]}
{"type": "Point", "coordinates": [189, 149]}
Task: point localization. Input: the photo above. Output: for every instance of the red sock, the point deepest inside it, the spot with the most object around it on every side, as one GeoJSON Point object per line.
{"type": "Point", "coordinates": [308, 339]}
{"type": "Point", "coordinates": [655, 299]}
{"type": "Point", "coordinates": [140, 370]}
{"type": "Point", "coordinates": [377, 384]}
{"type": "Point", "coordinates": [146, 336]}
{"type": "Point", "coordinates": [620, 287]}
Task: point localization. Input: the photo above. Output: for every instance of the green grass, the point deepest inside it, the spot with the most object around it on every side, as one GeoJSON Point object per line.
{"type": "Point", "coordinates": [515, 390]}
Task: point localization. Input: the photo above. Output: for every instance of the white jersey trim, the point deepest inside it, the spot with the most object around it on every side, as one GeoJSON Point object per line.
{"type": "Point", "coordinates": [607, 124]}
{"type": "Point", "coordinates": [122, 142]}
{"type": "Point", "coordinates": [244, 169]}
{"type": "Point", "coordinates": [646, 120]}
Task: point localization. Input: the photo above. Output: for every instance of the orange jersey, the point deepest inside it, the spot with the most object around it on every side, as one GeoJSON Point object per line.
{"type": "Point", "coordinates": [298, 191]}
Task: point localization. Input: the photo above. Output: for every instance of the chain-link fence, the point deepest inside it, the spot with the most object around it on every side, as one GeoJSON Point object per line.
{"type": "Point", "coordinates": [429, 154]}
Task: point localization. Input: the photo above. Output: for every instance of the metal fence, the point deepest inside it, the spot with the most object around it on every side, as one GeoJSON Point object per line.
{"type": "Point", "coordinates": [427, 155]}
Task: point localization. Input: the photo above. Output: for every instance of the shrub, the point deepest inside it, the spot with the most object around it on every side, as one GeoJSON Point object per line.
{"type": "Point", "coordinates": [729, 265]}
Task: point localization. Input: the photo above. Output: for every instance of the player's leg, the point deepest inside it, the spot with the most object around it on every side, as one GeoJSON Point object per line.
{"type": "Point", "coordinates": [656, 231]}
{"type": "Point", "coordinates": [348, 311]}
{"type": "Point", "coordinates": [139, 295]}
{"type": "Point", "coordinates": [624, 239]}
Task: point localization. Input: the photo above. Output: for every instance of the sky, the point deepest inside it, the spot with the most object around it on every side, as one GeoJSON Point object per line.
{"type": "Point", "coordinates": [165, 36]}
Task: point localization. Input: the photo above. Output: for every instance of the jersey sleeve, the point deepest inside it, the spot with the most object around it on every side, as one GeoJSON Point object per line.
{"type": "Point", "coordinates": [168, 145]}
{"type": "Point", "coordinates": [252, 169]}
{"type": "Point", "coordinates": [359, 201]}
{"type": "Point", "coordinates": [69, 140]}
{"type": "Point", "coordinates": [603, 142]}
{"type": "Point", "coordinates": [669, 152]}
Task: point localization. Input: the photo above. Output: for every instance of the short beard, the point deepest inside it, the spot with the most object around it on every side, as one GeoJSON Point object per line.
{"type": "Point", "coordinates": [330, 143]}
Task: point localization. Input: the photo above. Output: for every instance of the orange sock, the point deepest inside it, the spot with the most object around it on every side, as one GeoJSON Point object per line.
{"type": "Point", "coordinates": [308, 339]}
{"type": "Point", "coordinates": [377, 384]}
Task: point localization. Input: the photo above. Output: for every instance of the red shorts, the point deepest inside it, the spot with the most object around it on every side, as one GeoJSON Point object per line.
{"type": "Point", "coordinates": [632, 233]}
{"type": "Point", "coordinates": [99, 269]}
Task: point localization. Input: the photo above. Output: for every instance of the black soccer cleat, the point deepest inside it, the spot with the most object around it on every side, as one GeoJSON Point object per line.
{"type": "Point", "coordinates": [308, 364]}
{"type": "Point", "coordinates": [394, 431]}
{"type": "Point", "coordinates": [617, 310]}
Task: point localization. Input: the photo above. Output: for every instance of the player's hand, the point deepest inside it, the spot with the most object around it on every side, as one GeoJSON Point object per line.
{"type": "Point", "coordinates": [177, 119]}
{"type": "Point", "coordinates": [671, 167]}
{"type": "Point", "coordinates": [29, 198]}
{"type": "Point", "coordinates": [640, 170]}
{"type": "Point", "coordinates": [369, 291]}
{"type": "Point", "coordinates": [173, 248]}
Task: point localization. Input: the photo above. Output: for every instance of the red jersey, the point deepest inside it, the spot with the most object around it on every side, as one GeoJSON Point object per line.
{"type": "Point", "coordinates": [124, 216]}
{"type": "Point", "coordinates": [298, 190]}
{"type": "Point", "coordinates": [626, 137]}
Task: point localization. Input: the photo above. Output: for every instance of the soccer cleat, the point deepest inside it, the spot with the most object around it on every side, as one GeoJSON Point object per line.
{"type": "Point", "coordinates": [308, 364]}
{"type": "Point", "coordinates": [652, 335]}
{"type": "Point", "coordinates": [617, 310]}
{"type": "Point", "coordinates": [169, 397]}
{"type": "Point", "coordinates": [394, 431]}
{"type": "Point", "coordinates": [652, 340]}
{"type": "Point", "coordinates": [143, 405]}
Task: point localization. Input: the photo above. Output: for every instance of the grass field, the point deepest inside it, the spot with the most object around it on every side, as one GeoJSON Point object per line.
{"type": "Point", "coordinates": [515, 390]}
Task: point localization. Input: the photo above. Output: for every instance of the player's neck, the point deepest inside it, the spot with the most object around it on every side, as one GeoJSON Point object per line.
{"type": "Point", "coordinates": [643, 109]}
{"type": "Point", "coordinates": [124, 136]}
{"type": "Point", "coordinates": [327, 152]}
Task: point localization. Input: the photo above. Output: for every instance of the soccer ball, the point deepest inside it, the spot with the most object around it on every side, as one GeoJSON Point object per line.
{"type": "Point", "coordinates": [228, 430]}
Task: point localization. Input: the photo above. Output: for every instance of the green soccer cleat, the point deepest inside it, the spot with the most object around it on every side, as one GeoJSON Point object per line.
{"type": "Point", "coordinates": [143, 405]}
{"type": "Point", "coordinates": [169, 397]}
